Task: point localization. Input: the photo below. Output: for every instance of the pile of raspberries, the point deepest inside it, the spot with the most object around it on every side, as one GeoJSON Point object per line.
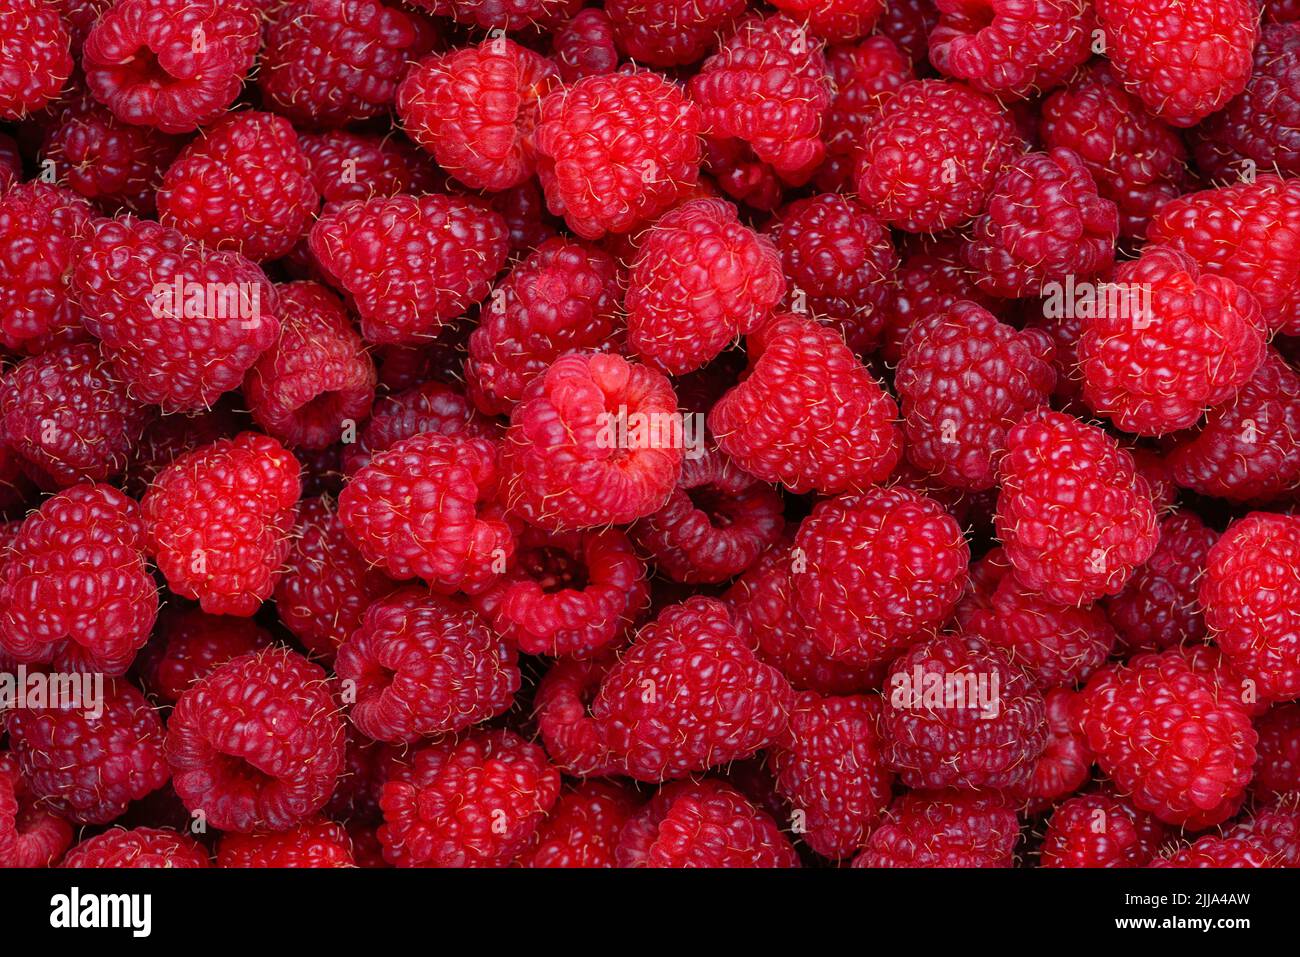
{"type": "Point", "coordinates": [672, 433]}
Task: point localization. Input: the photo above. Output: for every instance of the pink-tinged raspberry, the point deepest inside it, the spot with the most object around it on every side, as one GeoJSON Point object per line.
{"type": "Point", "coordinates": [88, 762]}
{"type": "Point", "coordinates": [596, 441]}
{"type": "Point", "coordinates": [473, 801]}
{"type": "Point", "coordinates": [564, 296]}
{"type": "Point", "coordinates": [30, 835]}
{"type": "Point", "coordinates": [168, 437]}
{"type": "Point", "coordinates": [669, 32]}
{"type": "Point", "coordinates": [769, 86]}
{"type": "Point", "coordinates": [908, 24]}
{"type": "Point", "coordinates": [138, 847]}
{"type": "Point", "coordinates": [243, 185]}
{"type": "Point", "coordinates": [829, 766]}
{"type": "Point", "coordinates": [1251, 596]}
{"type": "Point", "coordinates": [318, 381]}
{"type": "Point", "coordinates": [700, 280]}
{"type": "Point", "coordinates": [617, 150]}
{"type": "Point", "coordinates": [1100, 830]}
{"type": "Point", "coordinates": [1219, 852]}
{"type": "Point", "coordinates": [835, 19]}
{"type": "Point", "coordinates": [1169, 739]}
{"type": "Point", "coordinates": [258, 743]}
{"type": "Point", "coordinates": [569, 593]}
{"type": "Point", "coordinates": [839, 263]}
{"type": "Point", "coordinates": [930, 161]}
{"type": "Point", "coordinates": [475, 109]}
{"type": "Point", "coordinates": [873, 572]}
{"type": "Point", "coordinates": [430, 407]}
{"type": "Point", "coordinates": [965, 379]}
{"type": "Point", "coordinates": [315, 843]}
{"type": "Point", "coordinates": [427, 508]}
{"type": "Point", "coordinates": [1065, 764]}
{"type": "Point", "coordinates": [562, 702]}
{"type": "Point", "coordinates": [1276, 830]}
{"type": "Point", "coordinates": [928, 281]}
{"type": "Point", "coordinates": [329, 62]}
{"type": "Point", "coordinates": [143, 59]}
{"type": "Point", "coordinates": [189, 645]}
{"type": "Point", "coordinates": [585, 46]}
{"type": "Point", "coordinates": [76, 574]}
{"type": "Point", "coordinates": [864, 75]}
{"type": "Point", "coordinates": [410, 263]}
{"type": "Point", "coordinates": [584, 827]}
{"type": "Point", "coordinates": [703, 824]}
{"type": "Point", "coordinates": [35, 57]}
{"type": "Point", "coordinates": [1183, 59]}
{"type": "Point", "coordinates": [1074, 516]}
{"type": "Point", "coordinates": [944, 829]}
{"type": "Point", "coordinates": [68, 417]}
{"type": "Point", "coordinates": [219, 520]}
{"type": "Point", "coordinates": [344, 166]}
{"type": "Point", "coordinates": [809, 415]}
{"type": "Point", "coordinates": [1277, 771]}
{"type": "Point", "coordinates": [504, 14]}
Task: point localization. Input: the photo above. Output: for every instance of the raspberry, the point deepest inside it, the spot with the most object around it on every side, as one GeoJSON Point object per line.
{"type": "Point", "coordinates": [317, 381]}
{"type": "Point", "coordinates": [927, 282]}
{"type": "Point", "coordinates": [1277, 772]}
{"type": "Point", "coordinates": [768, 85]}
{"type": "Point", "coordinates": [30, 836]}
{"type": "Point", "coordinates": [669, 32]}
{"type": "Point", "coordinates": [138, 847]}
{"type": "Point", "coordinates": [257, 743]}
{"type": "Point", "coordinates": [564, 296]}
{"type": "Point", "coordinates": [616, 150]}
{"type": "Point", "coordinates": [584, 827]}
{"type": "Point", "coordinates": [329, 62]}
{"type": "Point", "coordinates": [430, 407]}
{"type": "Point", "coordinates": [874, 572]}
{"type": "Point", "coordinates": [1276, 830]}
{"type": "Point", "coordinates": [143, 62]}
{"type": "Point", "coordinates": [1212, 851]}
{"type": "Point", "coordinates": [1100, 830]}
{"type": "Point", "coordinates": [504, 14]}
{"type": "Point", "coordinates": [426, 508]}
{"type": "Point", "coordinates": [35, 61]}
{"type": "Point", "coordinates": [11, 162]}
{"type": "Point", "coordinates": [567, 464]}
{"type": "Point", "coordinates": [316, 843]}
{"type": "Point", "coordinates": [740, 174]}
{"type": "Point", "coordinates": [965, 379]}
{"type": "Point", "coordinates": [1169, 739]}
{"type": "Point", "coordinates": [219, 520]}
{"type": "Point", "coordinates": [167, 437]}
{"type": "Point", "coordinates": [930, 161]}
{"type": "Point", "coordinates": [182, 323]}
{"type": "Point", "coordinates": [835, 19]}
{"type": "Point", "coordinates": [1065, 764]}
{"type": "Point", "coordinates": [473, 801]}
{"type": "Point", "coordinates": [87, 766]}
{"type": "Point", "coordinates": [864, 76]}
{"type": "Point", "coordinates": [809, 416]}
{"type": "Point", "coordinates": [585, 46]}
{"type": "Point", "coordinates": [1183, 59]}
{"type": "Point", "coordinates": [345, 166]}
{"type": "Point", "coordinates": [702, 824]}
{"type": "Point", "coordinates": [908, 24]}
{"type": "Point", "coordinates": [572, 739]}
{"type": "Point", "coordinates": [944, 829]}
{"type": "Point", "coordinates": [475, 109]}
{"type": "Point", "coordinates": [700, 280]}
{"type": "Point", "coordinates": [410, 264]}
{"type": "Point", "coordinates": [1074, 516]}
{"type": "Point", "coordinates": [189, 645]}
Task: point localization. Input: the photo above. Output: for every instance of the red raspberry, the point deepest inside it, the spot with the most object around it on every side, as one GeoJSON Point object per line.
{"type": "Point", "coordinates": [1276, 830]}
{"type": "Point", "coordinates": [30, 836]}
{"type": "Point", "coordinates": [874, 572]}
{"type": "Point", "coordinates": [1212, 851]}
{"type": "Point", "coordinates": [700, 280]}
{"type": "Point", "coordinates": [1277, 771]}
{"type": "Point", "coordinates": [329, 62]}
{"type": "Point", "coordinates": [669, 32]}
{"type": "Point", "coordinates": [585, 46]}
{"type": "Point", "coordinates": [572, 739]}
{"type": "Point", "coordinates": [426, 508]}
{"type": "Point", "coordinates": [219, 520]}
{"type": "Point", "coordinates": [345, 166]}
{"type": "Point", "coordinates": [87, 766]}
{"type": "Point", "coordinates": [1183, 59]}
{"type": "Point", "coordinates": [504, 14]}
{"type": "Point", "coordinates": [584, 827]}
{"type": "Point", "coordinates": [168, 437]}
{"type": "Point", "coordinates": [768, 85]}
{"type": "Point", "coordinates": [475, 109]}
{"type": "Point", "coordinates": [739, 173]}
{"type": "Point", "coordinates": [864, 76]}
{"type": "Point", "coordinates": [189, 645]}
{"type": "Point", "coordinates": [65, 414]}
{"type": "Point", "coordinates": [944, 829]}
{"type": "Point", "coordinates": [930, 161]}
{"type": "Point", "coordinates": [703, 824]}
{"type": "Point", "coordinates": [1169, 739]}
{"type": "Point", "coordinates": [1066, 763]}
{"type": "Point", "coordinates": [1074, 516]}
{"type": "Point", "coordinates": [143, 59]}
{"type": "Point", "coordinates": [430, 407]}
{"type": "Point", "coordinates": [1251, 597]}
{"type": "Point", "coordinates": [1100, 830]}
{"type": "Point", "coordinates": [410, 264]}
{"type": "Point", "coordinates": [473, 801]}
{"type": "Point", "coordinates": [316, 843]}
{"type": "Point", "coordinates": [257, 743]}
{"type": "Point", "coordinates": [835, 19]}
{"type": "Point", "coordinates": [35, 61]}
{"type": "Point", "coordinates": [809, 415]}
{"type": "Point", "coordinates": [616, 150]}
{"type": "Point", "coordinates": [564, 296]}
{"type": "Point", "coordinates": [138, 847]}
{"type": "Point", "coordinates": [420, 666]}
{"type": "Point", "coordinates": [11, 162]}
{"type": "Point", "coordinates": [908, 24]}
{"type": "Point", "coordinates": [76, 573]}
{"type": "Point", "coordinates": [928, 281]}
{"type": "Point", "coordinates": [829, 767]}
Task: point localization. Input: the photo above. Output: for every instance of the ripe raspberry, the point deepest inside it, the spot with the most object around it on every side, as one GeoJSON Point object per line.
{"type": "Point", "coordinates": [138, 847]}
{"type": "Point", "coordinates": [561, 704]}
{"type": "Point", "coordinates": [1276, 830]}
{"type": "Point", "coordinates": [809, 415]}
{"type": "Point", "coordinates": [30, 836]}
{"type": "Point", "coordinates": [1074, 516]}
{"type": "Point", "coordinates": [315, 843]}
{"type": "Point", "coordinates": [11, 162]}
{"type": "Point", "coordinates": [430, 407]}
{"type": "Point", "coordinates": [1277, 771]}
{"type": "Point", "coordinates": [1169, 739]}
{"type": "Point", "coordinates": [1183, 59]}
{"type": "Point", "coordinates": [585, 46]}
{"type": "Point", "coordinates": [344, 166]}
{"type": "Point", "coordinates": [35, 61]}
{"type": "Point", "coordinates": [504, 14]}
{"type": "Point", "coordinates": [702, 824]}
{"type": "Point", "coordinates": [908, 23]}
{"type": "Point", "coordinates": [410, 264]}
{"type": "Point", "coordinates": [167, 437]}
{"type": "Point", "coordinates": [219, 520]}
{"type": "Point", "coordinates": [740, 174]}
{"type": "Point", "coordinates": [189, 645]}
{"type": "Point", "coordinates": [143, 60]}
{"type": "Point", "coordinates": [835, 19]}
{"type": "Point", "coordinates": [929, 162]}
{"type": "Point", "coordinates": [1212, 851]}
{"type": "Point", "coordinates": [584, 827]}
{"type": "Point", "coordinates": [928, 281]}
{"type": "Point", "coordinates": [944, 829]}
{"type": "Point", "coordinates": [616, 150]}
{"type": "Point", "coordinates": [1100, 830]}
{"type": "Point", "coordinates": [258, 743]}
{"type": "Point", "coordinates": [864, 76]}
{"type": "Point", "coordinates": [1065, 764]}
{"type": "Point", "coordinates": [669, 32]}
{"type": "Point", "coordinates": [473, 801]}
{"type": "Point", "coordinates": [421, 665]}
